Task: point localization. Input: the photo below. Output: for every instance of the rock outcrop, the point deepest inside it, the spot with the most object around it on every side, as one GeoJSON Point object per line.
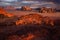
{"type": "Point", "coordinates": [30, 19]}
{"type": "Point", "coordinates": [43, 10]}
{"type": "Point", "coordinates": [34, 19]}
{"type": "Point", "coordinates": [47, 10]}
{"type": "Point", "coordinates": [5, 18]}
{"type": "Point", "coordinates": [5, 13]}
{"type": "Point", "coordinates": [26, 8]}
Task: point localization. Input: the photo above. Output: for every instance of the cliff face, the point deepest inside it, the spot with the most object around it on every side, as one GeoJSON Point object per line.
{"type": "Point", "coordinates": [34, 19]}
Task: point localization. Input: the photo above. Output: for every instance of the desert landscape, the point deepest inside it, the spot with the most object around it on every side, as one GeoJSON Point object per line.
{"type": "Point", "coordinates": [26, 23]}
{"type": "Point", "coordinates": [29, 25]}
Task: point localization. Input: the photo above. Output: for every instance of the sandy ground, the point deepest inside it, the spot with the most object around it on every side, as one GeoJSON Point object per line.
{"type": "Point", "coordinates": [52, 15]}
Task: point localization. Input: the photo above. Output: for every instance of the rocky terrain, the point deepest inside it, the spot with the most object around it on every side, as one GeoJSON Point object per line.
{"type": "Point", "coordinates": [28, 27]}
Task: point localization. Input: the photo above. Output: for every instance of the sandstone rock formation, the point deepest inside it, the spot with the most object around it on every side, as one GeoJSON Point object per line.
{"type": "Point", "coordinates": [5, 13]}
{"type": "Point", "coordinates": [34, 19]}
{"type": "Point", "coordinates": [30, 19]}
{"type": "Point", "coordinates": [5, 18]}
{"type": "Point", "coordinates": [47, 10]}
{"type": "Point", "coordinates": [48, 21]}
{"type": "Point", "coordinates": [43, 10]}
{"type": "Point", "coordinates": [26, 8]}
{"type": "Point", "coordinates": [50, 10]}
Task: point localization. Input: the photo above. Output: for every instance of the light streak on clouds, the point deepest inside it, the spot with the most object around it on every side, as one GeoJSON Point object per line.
{"type": "Point", "coordinates": [8, 0]}
{"type": "Point", "coordinates": [29, 1]}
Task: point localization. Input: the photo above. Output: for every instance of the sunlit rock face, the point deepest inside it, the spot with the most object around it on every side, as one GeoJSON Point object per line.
{"type": "Point", "coordinates": [47, 10]}
{"type": "Point", "coordinates": [26, 8]}
{"type": "Point", "coordinates": [43, 10]}
{"type": "Point", "coordinates": [5, 18]}
{"type": "Point", "coordinates": [30, 19]}
{"type": "Point", "coordinates": [5, 13]}
{"type": "Point", "coordinates": [34, 19]}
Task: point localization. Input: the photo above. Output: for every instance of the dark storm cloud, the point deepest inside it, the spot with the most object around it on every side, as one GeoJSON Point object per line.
{"type": "Point", "coordinates": [55, 1]}
{"type": "Point", "coordinates": [32, 3]}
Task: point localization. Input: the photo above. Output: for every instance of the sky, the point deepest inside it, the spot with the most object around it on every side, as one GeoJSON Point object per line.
{"type": "Point", "coordinates": [33, 3]}
{"type": "Point", "coordinates": [56, 1]}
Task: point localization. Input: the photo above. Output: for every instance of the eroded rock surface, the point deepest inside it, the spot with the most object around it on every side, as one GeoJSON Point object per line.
{"type": "Point", "coordinates": [5, 13]}
{"type": "Point", "coordinates": [34, 19]}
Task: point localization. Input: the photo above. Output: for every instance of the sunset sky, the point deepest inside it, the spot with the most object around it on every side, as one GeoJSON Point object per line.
{"type": "Point", "coordinates": [32, 3]}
